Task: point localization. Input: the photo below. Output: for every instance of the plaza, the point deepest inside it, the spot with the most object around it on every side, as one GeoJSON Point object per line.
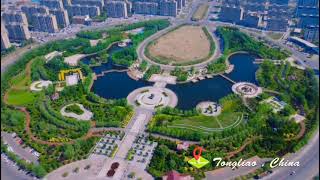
{"type": "Point", "coordinates": [246, 89]}
{"type": "Point", "coordinates": [39, 85]}
{"type": "Point", "coordinates": [208, 108]}
{"type": "Point", "coordinates": [152, 97]}
{"type": "Point", "coordinates": [85, 116]}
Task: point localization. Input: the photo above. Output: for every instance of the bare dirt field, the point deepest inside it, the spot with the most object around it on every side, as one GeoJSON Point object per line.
{"type": "Point", "coordinates": [183, 45]}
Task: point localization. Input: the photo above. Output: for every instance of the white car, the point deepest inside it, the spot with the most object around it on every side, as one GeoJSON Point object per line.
{"type": "Point", "coordinates": [10, 149]}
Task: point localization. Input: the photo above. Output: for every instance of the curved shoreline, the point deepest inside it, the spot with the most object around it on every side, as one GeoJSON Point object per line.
{"type": "Point", "coordinates": [217, 74]}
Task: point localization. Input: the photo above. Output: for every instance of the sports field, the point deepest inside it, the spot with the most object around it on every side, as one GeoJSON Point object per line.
{"type": "Point", "coordinates": [181, 46]}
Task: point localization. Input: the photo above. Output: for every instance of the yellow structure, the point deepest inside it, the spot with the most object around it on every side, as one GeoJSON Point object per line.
{"type": "Point", "coordinates": [63, 72]}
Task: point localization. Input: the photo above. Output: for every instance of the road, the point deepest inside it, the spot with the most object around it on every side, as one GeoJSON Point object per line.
{"type": "Point", "coordinates": [14, 56]}
{"type": "Point", "coordinates": [17, 149]}
{"type": "Point", "coordinates": [308, 158]}
{"type": "Point", "coordinates": [10, 172]}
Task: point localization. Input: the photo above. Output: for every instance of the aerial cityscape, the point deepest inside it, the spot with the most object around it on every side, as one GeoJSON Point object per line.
{"type": "Point", "coordinates": [159, 89]}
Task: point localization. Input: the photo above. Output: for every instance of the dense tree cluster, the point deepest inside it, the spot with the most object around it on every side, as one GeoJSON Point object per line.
{"type": "Point", "coordinates": [218, 66]}
{"type": "Point", "coordinates": [46, 121]}
{"type": "Point", "coordinates": [153, 69]}
{"type": "Point", "coordinates": [180, 74]}
{"type": "Point", "coordinates": [90, 34]}
{"type": "Point", "coordinates": [234, 40]}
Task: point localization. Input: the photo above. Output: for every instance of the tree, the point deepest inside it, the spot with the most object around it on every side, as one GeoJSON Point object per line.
{"type": "Point", "coordinates": [68, 151]}
{"type": "Point", "coordinates": [39, 171]}
{"type": "Point", "coordinates": [143, 66]}
{"type": "Point", "coordinates": [49, 90]}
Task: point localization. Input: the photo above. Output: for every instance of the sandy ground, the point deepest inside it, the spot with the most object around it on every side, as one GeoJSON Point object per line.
{"type": "Point", "coordinates": [74, 59]}
{"type": "Point", "coordinates": [94, 42]}
{"type": "Point", "coordinates": [187, 43]}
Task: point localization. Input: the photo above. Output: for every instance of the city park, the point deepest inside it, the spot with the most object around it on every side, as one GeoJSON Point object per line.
{"type": "Point", "coordinates": [47, 99]}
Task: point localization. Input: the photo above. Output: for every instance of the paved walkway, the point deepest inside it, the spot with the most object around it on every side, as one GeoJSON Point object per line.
{"type": "Point", "coordinates": [168, 79]}
{"type": "Point", "coordinates": [85, 116]}
{"type": "Point", "coordinates": [173, 139]}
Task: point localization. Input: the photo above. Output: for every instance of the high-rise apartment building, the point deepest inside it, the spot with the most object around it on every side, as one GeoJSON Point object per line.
{"type": "Point", "coordinates": [230, 14]}
{"type": "Point", "coordinates": [250, 20]}
{"type": "Point", "coordinates": [179, 4]}
{"type": "Point", "coordinates": [98, 3]}
{"type": "Point", "coordinates": [145, 8]}
{"type": "Point", "coordinates": [168, 8]}
{"type": "Point", "coordinates": [52, 4]}
{"type": "Point", "coordinates": [66, 3]}
{"type": "Point", "coordinates": [17, 32]}
{"type": "Point", "coordinates": [308, 3]}
{"type": "Point", "coordinates": [14, 16]}
{"type": "Point", "coordinates": [5, 43]}
{"type": "Point", "coordinates": [45, 23]}
{"type": "Point", "coordinates": [32, 9]}
{"type": "Point", "coordinates": [311, 33]}
{"type": "Point", "coordinates": [82, 10]}
{"type": "Point", "coordinates": [116, 9]}
{"type": "Point", "coordinates": [61, 16]}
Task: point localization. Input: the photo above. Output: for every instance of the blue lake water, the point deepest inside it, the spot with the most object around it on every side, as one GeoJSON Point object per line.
{"type": "Point", "coordinates": [190, 94]}
{"type": "Point", "coordinates": [119, 85]}
{"type": "Point", "coordinates": [116, 85]}
{"type": "Point", "coordinates": [244, 69]}
{"type": "Point", "coordinates": [113, 85]}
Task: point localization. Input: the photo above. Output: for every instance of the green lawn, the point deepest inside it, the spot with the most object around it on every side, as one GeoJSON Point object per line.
{"type": "Point", "coordinates": [204, 121]}
{"type": "Point", "coordinates": [227, 119]}
{"type": "Point", "coordinates": [229, 116]}
{"type": "Point", "coordinates": [21, 97]}
{"type": "Point", "coordinates": [21, 80]}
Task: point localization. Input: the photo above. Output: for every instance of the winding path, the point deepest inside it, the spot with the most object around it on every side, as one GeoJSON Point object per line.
{"type": "Point", "coordinates": [241, 148]}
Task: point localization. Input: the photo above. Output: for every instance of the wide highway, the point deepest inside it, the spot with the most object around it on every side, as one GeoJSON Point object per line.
{"type": "Point", "coordinates": [308, 158]}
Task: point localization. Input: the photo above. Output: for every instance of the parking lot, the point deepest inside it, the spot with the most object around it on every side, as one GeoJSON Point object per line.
{"type": "Point", "coordinates": [141, 151]}
{"type": "Point", "coordinates": [108, 145]}
{"type": "Point", "coordinates": [17, 146]}
{"type": "Point", "coordinates": [11, 171]}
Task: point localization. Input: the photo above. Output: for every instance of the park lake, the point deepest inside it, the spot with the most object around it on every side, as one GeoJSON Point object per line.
{"type": "Point", "coordinates": [117, 85]}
